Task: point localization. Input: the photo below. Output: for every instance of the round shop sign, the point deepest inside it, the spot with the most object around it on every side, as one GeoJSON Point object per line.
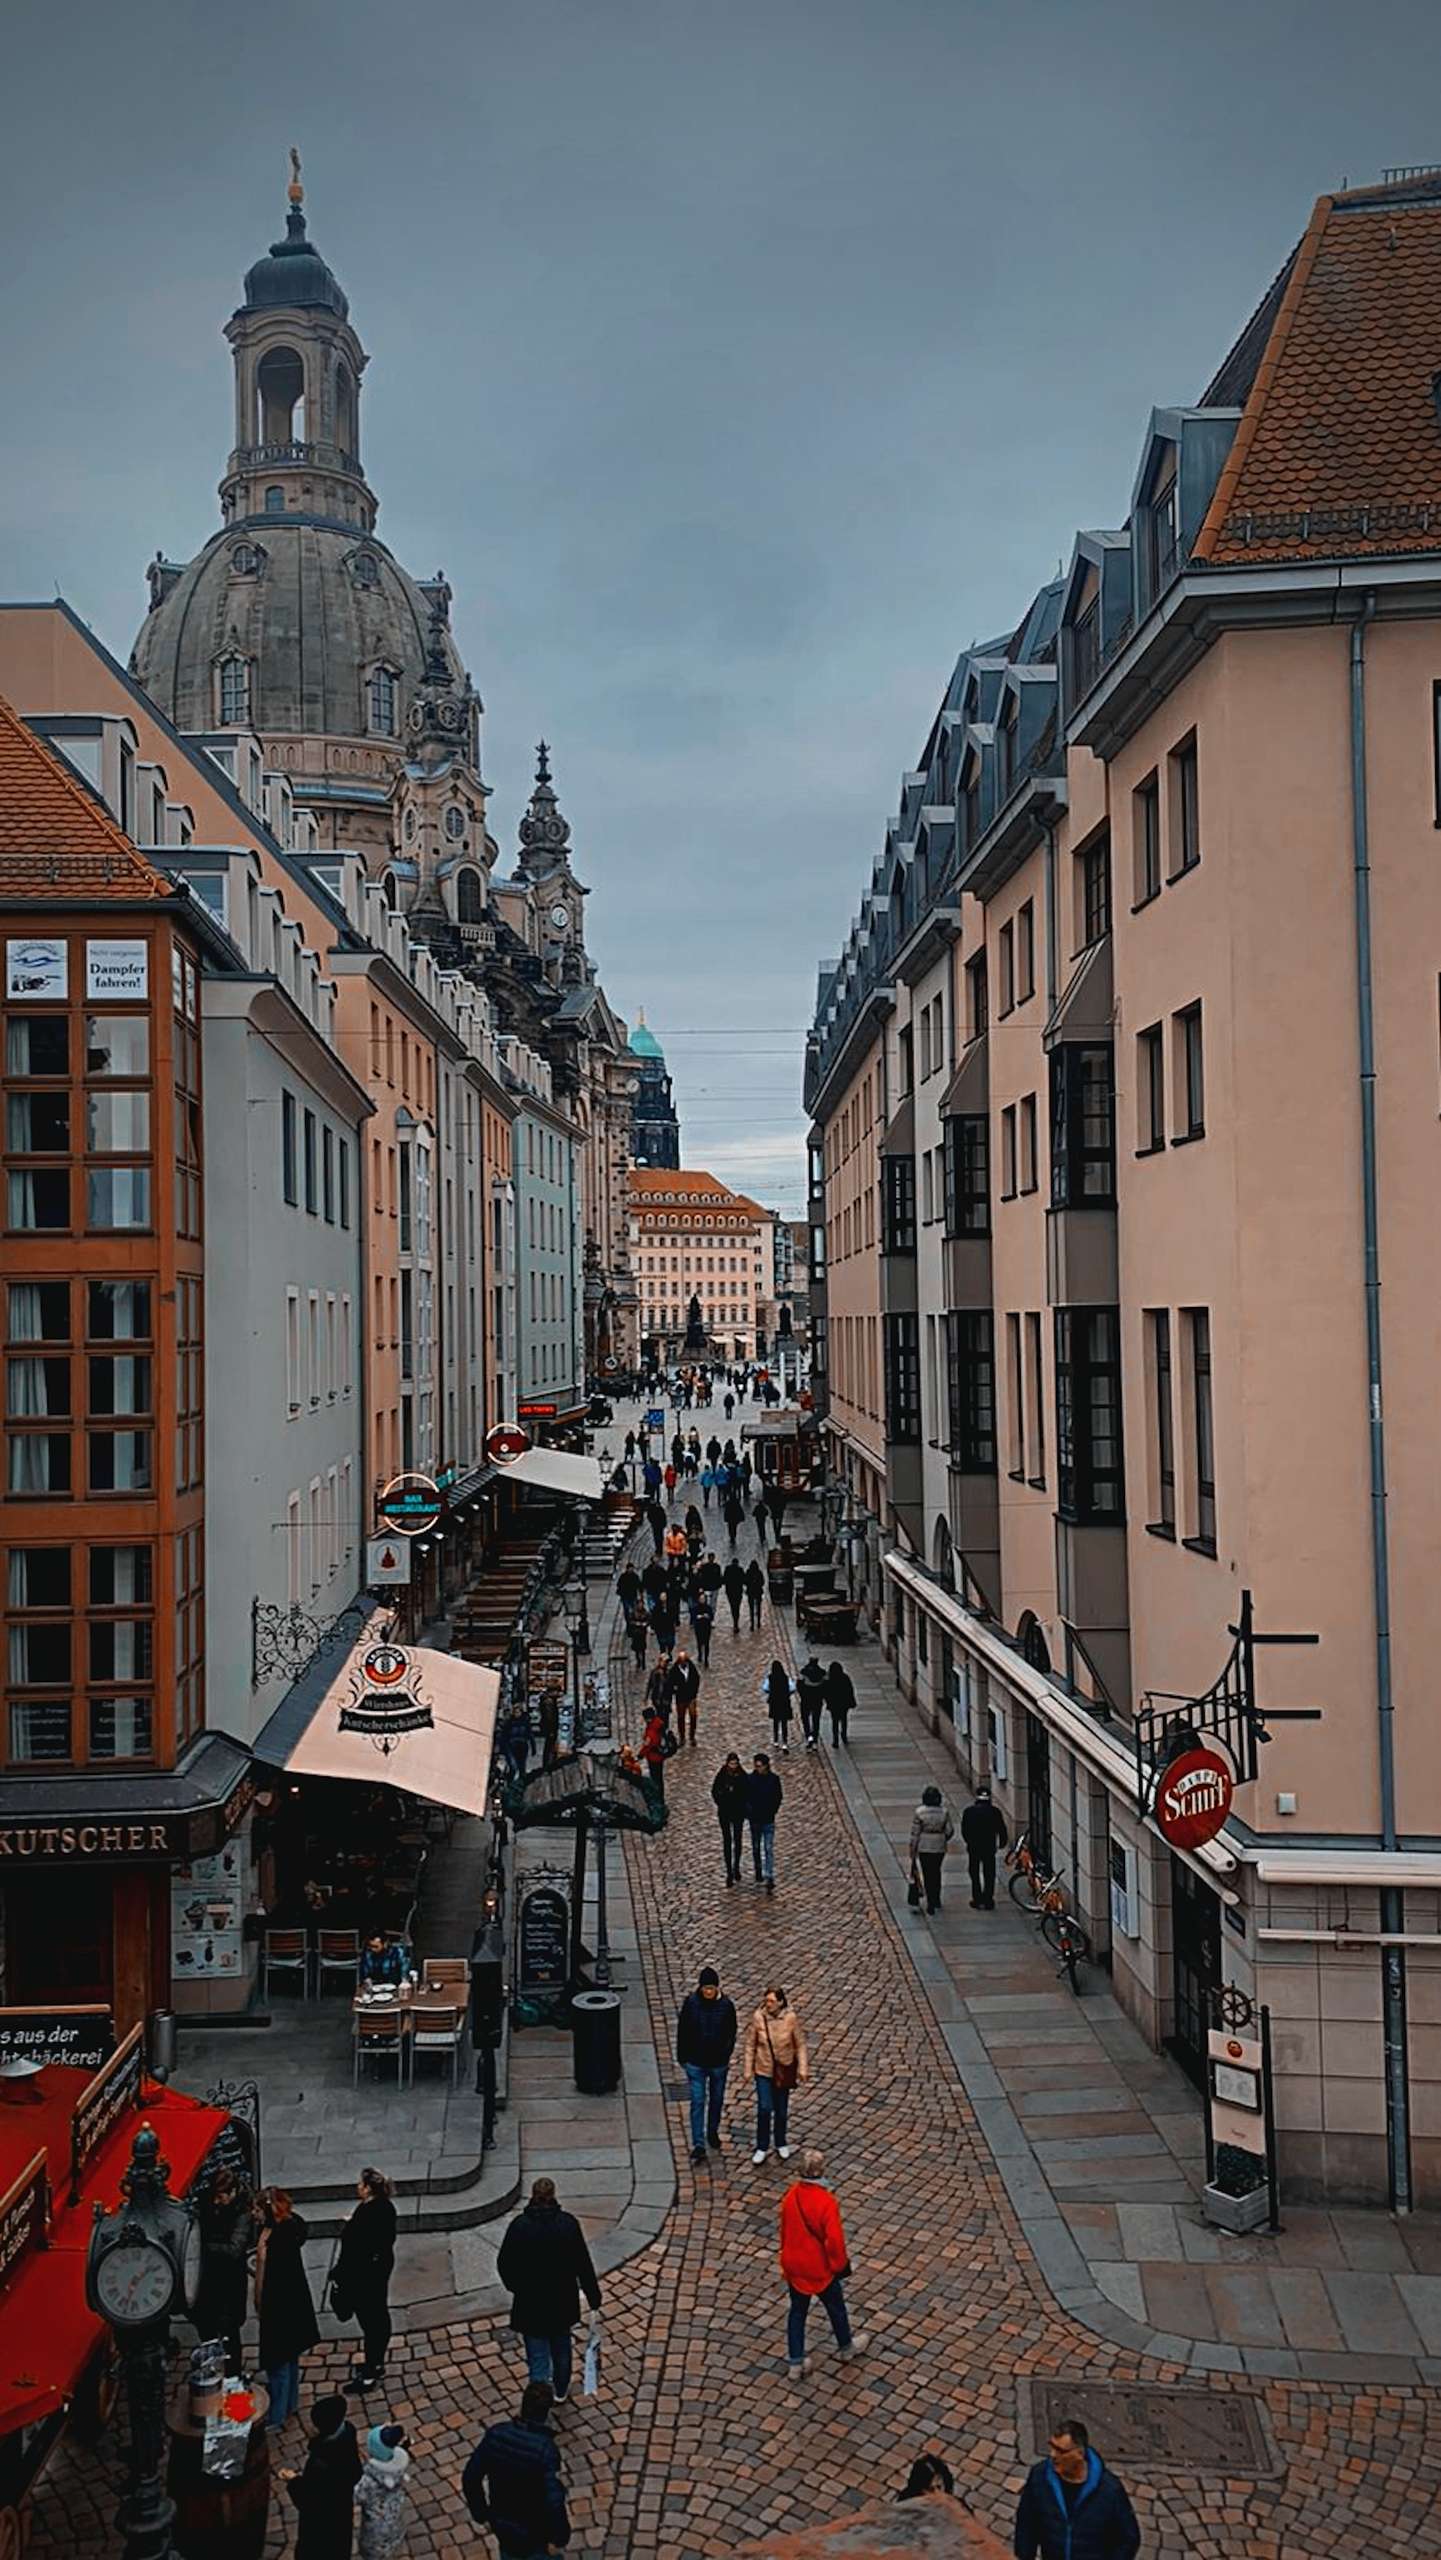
{"type": "Point", "coordinates": [411, 1503]}
{"type": "Point", "coordinates": [505, 1441]}
{"type": "Point", "coordinates": [1193, 1798]}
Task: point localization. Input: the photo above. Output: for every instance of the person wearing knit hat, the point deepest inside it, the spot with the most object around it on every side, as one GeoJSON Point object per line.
{"type": "Point", "coordinates": [705, 2039]}
{"type": "Point", "coordinates": [323, 2494]}
{"type": "Point", "coordinates": [383, 2497]}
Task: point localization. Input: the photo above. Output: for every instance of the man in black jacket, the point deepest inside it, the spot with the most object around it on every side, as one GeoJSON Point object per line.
{"type": "Point", "coordinates": [323, 2494]}
{"type": "Point", "coordinates": [731, 1795]}
{"type": "Point", "coordinates": [811, 1694]}
{"type": "Point", "coordinates": [512, 2483]}
{"type": "Point", "coordinates": [545, 2266]}
{"type": "Point", "coordinates": [705, 2038]}
{"type": "Point", "coordinates": [1072, 2507]}
{"type": "Point", "coordinates": [684, 1691]}
{"type": "Point", "coordinates": [764, 1794]}
{"type": "Point", "coordinates": [735, 1590]}
{"type": "Point", "coordinates": [984, 1832]}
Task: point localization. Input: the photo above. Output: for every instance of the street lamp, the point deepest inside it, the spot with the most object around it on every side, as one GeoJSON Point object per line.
{"type": "Point", "coordinates": [603, 1752]}
{"type": "Point", "coordinates": [144, 2264]}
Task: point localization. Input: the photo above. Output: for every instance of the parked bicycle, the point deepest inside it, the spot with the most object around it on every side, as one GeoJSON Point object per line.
{"type": "Point", "coordinates": [1036, 1889]}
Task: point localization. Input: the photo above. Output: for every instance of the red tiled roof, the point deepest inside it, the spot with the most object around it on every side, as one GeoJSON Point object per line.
{"type": "Point", "coordinates": [656, 1187]}
{"type": "Point", "coordinates": [54, 841]}
{"type": "Point", "coordinates": [1338, 453]}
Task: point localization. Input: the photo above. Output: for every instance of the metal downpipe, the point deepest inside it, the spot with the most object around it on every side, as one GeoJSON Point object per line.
{"type": "Point", "coordinates": [1393, 1960]}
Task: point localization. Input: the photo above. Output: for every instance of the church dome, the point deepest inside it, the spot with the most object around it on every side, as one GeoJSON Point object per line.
{"type": "Point", "coordinates": [294, 277]}
{"type": "Point", "coordinates": [314, 609]}
{"type": "Point", "coordinates": [643, 1042]}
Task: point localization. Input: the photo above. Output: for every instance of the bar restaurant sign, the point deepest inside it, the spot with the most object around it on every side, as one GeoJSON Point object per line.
{"type": "Point", "coordinates": [385, 1698]}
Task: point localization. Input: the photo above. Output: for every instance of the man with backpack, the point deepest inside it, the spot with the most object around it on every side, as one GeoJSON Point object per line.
{"type": "Point", "coordinates": [512, 2483]}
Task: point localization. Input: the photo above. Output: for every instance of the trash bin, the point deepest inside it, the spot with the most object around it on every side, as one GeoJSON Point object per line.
{"type": "Point", "coordinates": [595, 2041]}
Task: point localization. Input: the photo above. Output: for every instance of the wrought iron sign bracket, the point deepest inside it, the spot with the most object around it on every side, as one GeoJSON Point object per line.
{"type": "Point", "coordinates": [1226, 1713]}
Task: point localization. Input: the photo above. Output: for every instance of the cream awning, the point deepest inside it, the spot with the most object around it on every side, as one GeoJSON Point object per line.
{"type": "Point", "coordinates": [558, 1471]}
{"type": "Point", "coordinates": [427, 1727]}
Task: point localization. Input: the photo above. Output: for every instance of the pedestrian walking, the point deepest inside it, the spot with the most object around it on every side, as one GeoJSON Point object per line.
{"type": "Point", "coordinates": [764, 1798]}
{"type": "Point", "coordinates": [545, 2267]}
{"type": "Point", "coordinates": [932, 1831]}
{"type": "Point", "coordinates": [662, 1625]}
{"type": "Point", "coordinates": [659, 1687]}
{"type": "Point", "coordinates": [777, 1695]}
{"type": "Point", "coordinates": [759, 1517]}
{"type": "Point", "coordinates": [814, 2259]}
{"type": "Point", "coordinates": [382, 2496]}
{"type": "Point", "coordinates": [734, 1582]}
{"type": "Point", "coordinates": [637, 1627]}
{"type": "Point", "coordinates": [1072, 2507]}
{"type": "Point", "coordinates": [515, 1740]}
{"type": "Point", "coordinates": [775, 2058]}
{"type": "Point", "coordinates": [729, 1404]}
{"type": "Point", "coordinates": [627, 1587]}
{"type": "Point", "coordinates": [684, 1690]}
{"type": "Point", "coordinates": [734, 1513]}
{"type": "Point", "coordinates": [288, 2326]}
{"type": "Point", "coordinates": [655, 1514]}
{"type": "Point", "coordinates": [811, 1698]}
{"type": "Point", "coordinates": [730, 1794]}
{"type": "Point", "coordinates": [512, 2483]}
{"type": "Point", "coordinates": [707, 1486]}
{"type": "Point", "coordinates": [983, 1830]}
{"type": "Point", "coordinates": [226, 2217]}
{"type": "Point", "coordinates": [840, 1698]}
{"type": "Point", "coordinates": [652, 1749]}
{"type": "Point", "coordinates": [755, 1591]}
{"type": "Point", "coordinates": [776, 1505]}
{"type": "Point", "coordinates": [360, 2279]}
{"type": "Point", "coordinates": [705, 2039]}
{"type": "Point", "coordinates": [323, 2493]}
{"type": "Point", "coordinates": [702, 1618]}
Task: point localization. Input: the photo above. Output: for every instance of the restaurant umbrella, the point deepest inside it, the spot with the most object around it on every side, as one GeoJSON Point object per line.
{"type": "Point", "coordinates": [573, 1793]}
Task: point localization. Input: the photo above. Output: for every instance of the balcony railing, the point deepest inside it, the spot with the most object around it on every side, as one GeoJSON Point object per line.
{"type": "Point", "coordinates": [260, 457]}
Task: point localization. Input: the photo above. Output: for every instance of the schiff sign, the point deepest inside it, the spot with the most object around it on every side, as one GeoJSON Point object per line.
{"type": "Point", "coordinates": [1193, 1799]}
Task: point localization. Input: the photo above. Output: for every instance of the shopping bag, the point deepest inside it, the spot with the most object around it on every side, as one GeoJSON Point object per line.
{"type": "Point", "coordinates": [590, 2377]}
{"type": "Point", "coordinates": [913, 1889]}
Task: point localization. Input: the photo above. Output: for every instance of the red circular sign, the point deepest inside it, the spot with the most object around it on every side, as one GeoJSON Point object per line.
{"type": "Point", "coordinates": [504, 1441]}
{"type": "Point", "coordinates": [1193, 1798]}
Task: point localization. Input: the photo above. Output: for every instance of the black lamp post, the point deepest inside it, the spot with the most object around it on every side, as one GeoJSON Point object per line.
{"type": "Point", "coordinates": [144, 2265]}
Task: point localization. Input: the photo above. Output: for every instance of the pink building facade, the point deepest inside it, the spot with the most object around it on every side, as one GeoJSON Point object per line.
{"type": "Point", "coordinates": [1177, 836]}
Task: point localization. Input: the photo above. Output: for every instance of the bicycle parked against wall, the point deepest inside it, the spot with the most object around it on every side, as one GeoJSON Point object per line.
{"type": "Point", "coordinates": [1037, 1890]}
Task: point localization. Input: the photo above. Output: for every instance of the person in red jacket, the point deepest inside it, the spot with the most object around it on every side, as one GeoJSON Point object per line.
{"type": "Point", "coordinates": [813, 2261]}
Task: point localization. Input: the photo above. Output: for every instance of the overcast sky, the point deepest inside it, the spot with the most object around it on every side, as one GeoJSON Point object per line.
{"type": "Point", "coordinates": [738, 363]}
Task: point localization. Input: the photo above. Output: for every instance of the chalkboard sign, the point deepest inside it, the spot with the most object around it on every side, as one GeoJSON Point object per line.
{"type": "Point", "coordinates": [594, 1708]}
{"type": "Point", "coordinates": [237, 2145]}
{"type": "Point", "coordinates": [544, 1939]}
{"type": "Point", "coordinates": [84, 2037]}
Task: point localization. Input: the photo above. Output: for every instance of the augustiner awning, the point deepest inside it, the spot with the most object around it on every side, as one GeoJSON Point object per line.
{"type": "Point", "coordinates": [557, 1472]}
{"type": "Point", "coordinates": [397, 1716]}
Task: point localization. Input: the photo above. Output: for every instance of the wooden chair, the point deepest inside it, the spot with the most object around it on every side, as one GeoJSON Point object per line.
{"type": "Point", "coordinates": [437, 2029]}
{"type": "Point", "coordinates": [446, 1973]}
{"type": "Point", "coordinates": [380, 2037]}
{"type": "Point", "coordinates": [285, 1951]}
{"type": "Point", "coordinates": [336, 1951]}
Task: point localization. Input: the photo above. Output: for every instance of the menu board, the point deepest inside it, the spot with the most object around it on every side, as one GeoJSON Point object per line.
{"type": "Point", "coordinates": [207, 1900]}
{"type": "Point", "coordinates": [544, 1939]}
{"type": "Point", "coordinates": [594, 1708]}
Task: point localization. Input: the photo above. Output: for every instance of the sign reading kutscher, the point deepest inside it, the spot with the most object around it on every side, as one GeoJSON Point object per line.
{"type": "Point", "coordinates": [1193, 1798]}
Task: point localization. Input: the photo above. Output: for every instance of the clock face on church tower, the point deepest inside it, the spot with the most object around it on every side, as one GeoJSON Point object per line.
{"type": "Point", "coordinates": [560, 917]}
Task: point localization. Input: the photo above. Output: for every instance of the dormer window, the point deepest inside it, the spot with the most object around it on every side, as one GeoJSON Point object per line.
{"type": "Point", "coordinates": [233, 690]}
{"type": "Point", "coordinates": [1164, 533]}
{"type": "Point", "coordinates": [382, 702]}
{"type": "Point", "coordinates": [971, 806]}
{"type": "Point", "coordinates": [246, 560]}
{"type": "Point", "coordinates": [389, 891]}
{"type": "Point", "coordinates": [275, 502]}
{"type": "Point", "coordinates": [365, 569]}
{"type": "Point", "coordinates": [410, 826]}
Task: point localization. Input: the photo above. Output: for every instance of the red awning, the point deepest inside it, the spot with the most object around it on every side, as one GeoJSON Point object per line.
{"type": "Point", "coordinates": [47, 2332]}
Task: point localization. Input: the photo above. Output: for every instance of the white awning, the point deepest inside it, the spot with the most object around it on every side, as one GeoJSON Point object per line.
{"type": "Point", "coordinates": [558, 1472]}
{"type": "Point", "coordinates": [428, 1730]}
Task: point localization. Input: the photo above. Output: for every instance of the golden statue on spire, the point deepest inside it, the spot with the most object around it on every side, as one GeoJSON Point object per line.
{"type": "Point", "coordinates": [295, 191]}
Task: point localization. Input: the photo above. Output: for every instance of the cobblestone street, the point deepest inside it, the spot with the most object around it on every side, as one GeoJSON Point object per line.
{"type": "Point", "coordinates": [698, 2440]}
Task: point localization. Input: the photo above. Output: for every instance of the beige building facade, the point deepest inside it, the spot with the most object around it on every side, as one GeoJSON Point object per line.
{"type": "Point", "coordinates": [1178, 831]}
{"type": "Point", "coordinates": [691, 1237]}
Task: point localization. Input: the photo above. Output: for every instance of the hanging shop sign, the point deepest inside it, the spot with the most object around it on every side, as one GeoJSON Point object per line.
{"type": "Point", "coordinates": [37, 970]}
{"type": "Point", "coordinates": [1193, 1798]}
{"type": "Point", "coordinates": [387, 1563]}
{"type": "Point", "coordinates": [117, 972]}
{"type": "Point", "coordinates": [505, 1441]}
{"type": "Point", "coordinates": [411, 1504]}
{"type": "Point", "coordinates": [385, 1697]}
{"type": "Point", "coordinates": [82, 2036]}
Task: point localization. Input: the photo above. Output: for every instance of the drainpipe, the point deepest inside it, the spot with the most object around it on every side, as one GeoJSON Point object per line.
{"type": "Point", "coordinates": [1052, 921]}
{"type": "Point", "coordinates": [1393, 1961]}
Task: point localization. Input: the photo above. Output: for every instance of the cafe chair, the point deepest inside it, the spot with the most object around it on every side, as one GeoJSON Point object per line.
{"type": "Point", "coordinates": [285, 1951]}
{"type": "Point", "coordinates": [437, 2030]}
{"type": "Point", "coordinates": [337, 1951]}
{"type": "Point", "coordinates": [380, 2037]}
{"type": "Point", "coordinates": [446, 1973]}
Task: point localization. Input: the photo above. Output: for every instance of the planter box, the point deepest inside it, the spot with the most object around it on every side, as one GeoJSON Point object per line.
{"type": "Point", "coordinates": [1236, 2213]}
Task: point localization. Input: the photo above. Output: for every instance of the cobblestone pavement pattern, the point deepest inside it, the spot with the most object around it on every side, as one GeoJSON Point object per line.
{"type": "Point", "coordinates": [698, 2439]}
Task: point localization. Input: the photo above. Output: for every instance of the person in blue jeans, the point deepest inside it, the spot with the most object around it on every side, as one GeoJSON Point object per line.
{"type": "Point", "coordinates": [545, 2266]}
{"type": "Point", "coordinates": [705, 2039]}
{"type": "Point", "coordinates": [764, 1798]}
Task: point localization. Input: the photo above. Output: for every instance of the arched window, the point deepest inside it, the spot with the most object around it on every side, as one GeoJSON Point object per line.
{"type": "Point", "coordinates": [455, 823]}
{"type": "Point", "coordinates": [392, 895]}
{"type": "Point", "coordinates": [233, 692]}
{"type": "Point", "coordinates": [943, 1557]}
{"type": "Point", "coordinates": [275, 502]}
{"type": "Point", "coordinates": [280, 382]}
{"type": "Point", "coordinates": [467, 896]}
{"type": "Point", "coordinates": [382, 702]}
{"type": "Point", "coordinates": [1031, 1637]}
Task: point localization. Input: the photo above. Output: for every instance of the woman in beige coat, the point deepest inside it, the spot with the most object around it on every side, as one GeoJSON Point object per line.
{"type": "Point", "coordinates": [774, 2057]}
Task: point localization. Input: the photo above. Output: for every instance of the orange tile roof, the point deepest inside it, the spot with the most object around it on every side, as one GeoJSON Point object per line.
{"type": "Point", "coordinates": [55, 842]}
{"type": "Point", "coordinates": [660, 1187]}
{"type": "Point", "coordinates": [1338, 453]}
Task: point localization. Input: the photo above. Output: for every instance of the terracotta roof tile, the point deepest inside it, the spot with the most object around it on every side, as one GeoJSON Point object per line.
{"type": "Point", "coordinates": [1338, 454]}
{"type": "Point", "coordinates": [654, 1185]}
{"type": "Point", "coordinates": [55, 843]}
